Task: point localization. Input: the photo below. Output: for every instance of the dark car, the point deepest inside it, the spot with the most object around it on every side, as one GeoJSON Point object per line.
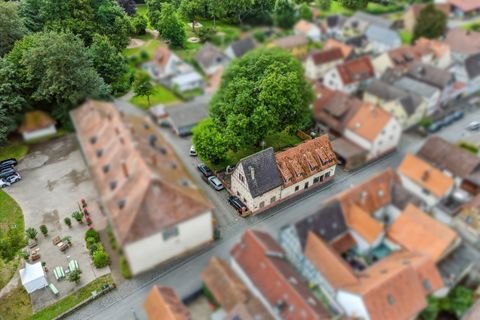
{"type": "Point", "coordinates": [206, 172]}
{"type": "Point", "coordinates": [8, 163]}
{"type": "Point", "coordinates": [434, 127]}
{"type": "Point", "coordinates": [457, 115]}
{"type": "Point", "coordinates": [237, 204]}
{"type": "Point", "coordinates": [5, 172]}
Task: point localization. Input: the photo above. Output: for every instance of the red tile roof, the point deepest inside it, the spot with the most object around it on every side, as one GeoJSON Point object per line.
{"type": "Point", "coordinates": [369, 121]}
{"type": "Point", "coordinates": [356, 70]}
{"type": "Point", "coordinates": [465, 5]}
{"type": "Point", "coordinates": [305, 160]}
{"type": "Point", "coordinates": [263, 261]}
{"type": "Point", "coordinates": [332, 43]}
{"type": "Point", "coordinates": [163, 304]}
{"type": "Point", "coordinates": [326, 56]}
{"type": "Point", "coordinates": [143, 185]}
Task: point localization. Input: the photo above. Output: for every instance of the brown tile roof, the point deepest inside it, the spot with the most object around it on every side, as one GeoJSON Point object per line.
{"type": "Point", "coordinates": [390, 289]}
{"type": "Point", "coordinates": [161, 56]}
{"type": "Point", "coordinates": [163, 304]}
{"type": "Point", "coordinates": [252, 310]}
{"type": "Point", "coordinates": [326, 56]}
{"type": "Point", "coordinates": [263, 260]}
{"type": "Point", "coordinates": [35, 120]}
{"type": "Point", "coordinates": [304, 26]}
{"type": "Point", "coordinates": [404, 56]}
{"type": "Point", "coordinates": [465, 5]}
{"type": "Point", "coordinates": [425, 175]}
{"type": "Point", "coordinates": [143, 185]}
{"type": "Point", "coordinates": [438, 48]}
{"type": "Point", "coordinates": [290, 42]}
{"type": "Point", "coordinates": [337, 272]}
{"type": "Point", "coordinates": [332, 43]}
{"type": "Point", "coordinates": [416, 231]}
{"type": "Point", "coordinates": [224, 284]}
{"type": "Point", "coordinates": [356, 70]}
{"type": "Point", "coordinates": [463, 41]}
{"type": "Point", "coordinates": [305, 160]}
{"type": "Point", "coordinates": [369, 121]}
{"type": "Point", "coordinates": [363, 223]}
{"type": "Point", "coordinates": [448, 156]}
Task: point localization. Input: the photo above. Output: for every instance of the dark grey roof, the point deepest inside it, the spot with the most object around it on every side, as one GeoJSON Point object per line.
{"type": "Point", "coordinates": [384, 90]}
{"type": "Point", "coordinates": [414, 86]}
{"type": "Point", "coordinates": [261, 172]}
{"type": "Point", "coordinates": [360, 41]}
{"type": "Point", "coordinates": [372, 19]}
{"type": "Point", "coordinates": [383, 35]}
{"type": "Point", "coordinates": [241, 47]}
{"type": "Point", "coordinates": [472, 65]}
{"type": "Point", "coordinates": [410, 103]}
{"type": "Point", "coordinates": [335, 21]}
{"type": "Point", "coordinates": [187, 115]}
{"type": "Point", "coordinates": [401, 197]}
{"type": "Point", "coordinates": [455, 266]}
{"type": "Point", "coordinates": [328, 223]}
{"type": "Point", "coordinates": [445, 155]}
{"type": "Point", "coordinates": [429, 74]}
{"type": "Point", "coordinates": [210, 55]}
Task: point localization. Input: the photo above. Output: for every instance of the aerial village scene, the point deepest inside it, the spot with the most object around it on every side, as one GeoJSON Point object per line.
{"type": "Point", "coordinates": [240, 159]}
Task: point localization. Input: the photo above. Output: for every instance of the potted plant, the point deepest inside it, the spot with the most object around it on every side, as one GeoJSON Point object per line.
{"type": "Point", "coordinates": [78, 215]}
{"type": "Point", "coordinates": [84, 203]}
{"type": "Point", "coordinates": [89, 221]}
{"type": "Point", "coordinates": [25, 255]}
{"type": "Point", "coordinates": [44, 230]}
{"type": "Point", "coordinates": [85, 212]}
{"type": "Point", "coordinates": [68, 240]}
{"type": "Point", "coordinates": [31, 233]}
{"type": "Point", "coordinates": [68, 222]}
{"type": "Point", "coordinates": [44, 265]}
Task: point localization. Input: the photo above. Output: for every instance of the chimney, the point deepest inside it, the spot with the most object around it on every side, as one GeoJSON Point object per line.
{"type": "Point", "coordinates": [426, 175]}
{"type": "Point", "coordinates": [125, 169]}
{"type": "Point", "coordinates": [252, 172]}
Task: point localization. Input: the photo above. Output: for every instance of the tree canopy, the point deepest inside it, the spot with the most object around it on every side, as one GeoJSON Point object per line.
{"type": "Point", "coordinates": [209, 142]}
{"type": "Point", "coordinates": [431, 23]}
{"type": "Point", "coordinates": [170, 27]}
{"type": "Point", "coordinates": [11, 26]}
{"type": "Point", "coordinates": [284, 14]}
{"type": "Point", "coordinates": [304, 12]}
{"type": "Point", "coordinates": [354, 4]}
{"type": "Point", "coordinates": [142, 86]}
{"type": "Point", "coordinates": [128, 6]}
{"type": "Point", "coordinates": [264, 91]}
{"type": "Point", "coordinates": [191, 10]}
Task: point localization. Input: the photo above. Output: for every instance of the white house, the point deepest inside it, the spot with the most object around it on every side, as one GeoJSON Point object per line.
{"type": "Point", "coordinates": [429, 93]}
{"type": "Point", "coordinates": [468, 73]}
{"type": "Point", "coordinates": [319, 62]}
{"type": "Point", "coordinates": [308, 29]}
{"type": "Point", "coordinates": [373, 129]}
{"type": "Point", "coordinates": [155, 210]}
{"type": "Point", "coordinates": [187, 81]}
{"type": "Point", "coordinates": [349, 76]}
{"type": "Point", "coordinates": [36, 125]}
{"type": "Point", "coordinates": [211, 59]}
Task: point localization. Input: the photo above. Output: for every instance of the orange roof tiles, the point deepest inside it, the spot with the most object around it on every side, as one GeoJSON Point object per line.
{"type": "Point", "coordinates": [362, 223]}
{"type": "Point", "coordinates": [224, 284]}
{"type": "Point", "coordinates": [143, 184]}
{"type": "Point", "coordinates": [262, 259]}
{"type": "Point", "coordinates": [326, 56]}
{"type": "Point", "coordinates": [356, 70]}
{"type": "Point", "coordinates": [304, 26]}
{"type": "Point", "coordinates": [305, 160]}
{"type": "Point", "coordinates": [438, 48]}
{"type": "Point", "coordinates": [418, 232]}
{"type": "Point", "coordinates": [35, 120]}
{"type": "Point", "coordinates": [337, 272]}
{"type": "Point", "coordinates": [425, 175]}
{"type": "Point", "coordinates": [162, 303]}
{"type": "Point", "coordinates": [161, 56]}
{"type": "Point", "coordinates": [369, 121]}
{"type": "Point", "coordinates": [332, 43]}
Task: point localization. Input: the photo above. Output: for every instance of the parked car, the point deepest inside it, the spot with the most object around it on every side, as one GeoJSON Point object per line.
{"type": "Point", "coordinates": [474, 125]}
{"type": "Point", "coordinates": [13, 178]}
{"type": "Point", "coordinates": [237, 204]}
{"type": "Point", "coordinates": [215, 183]}
{"type": "Point", "coordinates": [4, 183]}
{"type": "Point", "coordinates": [5, 172]}
{"type": "Point", "coordinates": [457, 115]}
{"type": "Point", "coordinates": [8, 163]}
{"type": "Point", "coordinates": [193, 153]}
{"type": "Point", "coordinates": [206, 172]}
{"type": "Point", "coordinates": [434, 127]}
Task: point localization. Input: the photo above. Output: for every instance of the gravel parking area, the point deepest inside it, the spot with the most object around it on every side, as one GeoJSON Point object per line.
{"type": "Point", "coordinates": [55, 178]}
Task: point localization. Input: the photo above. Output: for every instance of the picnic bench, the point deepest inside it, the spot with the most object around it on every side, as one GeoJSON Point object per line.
{"type": "Point", "coordinates": [73, 265]}
{"type": "Point", "coordinates": [63, 246]}
{"type": "Point", "coordinates": [53, 288]}
{"type": "Point", "coordinates": [35, 256]}
{"type": "Point", "coordinates": [59, 273]}
{"type": "Point", "coordinates": [56, 240]}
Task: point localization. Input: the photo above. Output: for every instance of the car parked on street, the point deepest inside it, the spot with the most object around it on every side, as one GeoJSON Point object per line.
{"type": "Point", "coordinates": [206, 172]}
{"type": "Point", "coordinates": [434, 127]}
{"type": "Point", "coordinates": [192, 152]}
{"type": "Point", "coordinates": [215, 183]}
{"type": "Point", "coordinates": [237, 204]}
{"type": "Point", "coordinates": [473, 126]}
{"type": "Point", "coordinates": [4, 183]}
{"type": "Point", "coordinates": [8, 163]}
{"type": "Point", "coordinates": [13, 178]}
{"type": "Point", "coordinates": [5, 172]}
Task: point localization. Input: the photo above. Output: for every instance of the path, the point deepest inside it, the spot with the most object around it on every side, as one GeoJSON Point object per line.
{"type": "Point", "coordinates": [12, 284]}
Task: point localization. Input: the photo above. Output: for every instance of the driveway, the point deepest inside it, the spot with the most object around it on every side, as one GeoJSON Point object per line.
{"type": "Point", "coordinates": [54, 180]}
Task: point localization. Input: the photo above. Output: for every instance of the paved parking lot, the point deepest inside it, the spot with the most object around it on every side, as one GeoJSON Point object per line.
{"type": "Point", "coordinates": [54, 180]}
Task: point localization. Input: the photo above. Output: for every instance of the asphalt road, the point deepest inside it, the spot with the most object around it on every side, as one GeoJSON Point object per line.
{"type": "Point", "coordinates": [126, 302]}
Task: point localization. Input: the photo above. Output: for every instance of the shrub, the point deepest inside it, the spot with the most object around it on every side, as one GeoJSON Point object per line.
{"type": "Point", "coordinates": [92, 233]}
{"type": "Point", "coordinates": [31, 233]}
{"type": "Point", "coordinates": [100, 259]}
{"type": "Point", "coordinates": [125, 268]}
{"type": "Point", "coordinates": [92, 248]}
{"type": "Point", "coordinates": [90, 241]}
{"type": "Point", "coordinates": [259, 35]}
{"type": "Point", "coordinates": [468, 147]}
{"type": "Point", "coordinates": [144, 55]}
{"type": "Point", "coordinates": [77, 215]}
{"type": "Point", "coordinates": [68, 221]}
{"type": "Point", "coordinates": [74, 276]}
{"type": "Point", "coordinates": [44, 230]}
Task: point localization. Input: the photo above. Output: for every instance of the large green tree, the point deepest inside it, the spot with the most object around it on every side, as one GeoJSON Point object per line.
{"type": "Point", "coordinates": [304, 12]}
{"type": "Point", "coordinates": [55, 72]}
{"type": "Point", "coordinates": [154, 7]}
{"type": "Point", "coordinates": [191, 10]}
{"type": "Point", "coordinates": [11, 26]}
{"type": "Point", "coordinates": [170, 27]}
{"type": "Point", "coordinates": [284, 14]}
{"type": "Point", "coordinates": [354, 4]}
{"type": "Point", "coordinates": [209, 142]}
{"type": "Point", "coordinates": [431, 23]}
{"type": "Point", "coordinates": [262, 92]}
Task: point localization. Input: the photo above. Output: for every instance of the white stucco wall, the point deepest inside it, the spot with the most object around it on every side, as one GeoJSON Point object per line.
{"type": "Point", "coordinates": [153, 250]}
{"type": "Point", "coordinates": [290, 190]}
{"type": "Point", "coordinates": [37, 134]}
{"type": "Point", "coordinates": [417, 190]}
{"type": "Point", "coordinates": [353, 305]}
{"type": "Point", "coordinates": [332, 80]}
{"type": "Point", "coordinates": [313, 71]}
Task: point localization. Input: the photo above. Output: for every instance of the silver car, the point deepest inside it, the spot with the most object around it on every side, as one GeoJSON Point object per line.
{"type": "Point", "coordinates": [215, 183]}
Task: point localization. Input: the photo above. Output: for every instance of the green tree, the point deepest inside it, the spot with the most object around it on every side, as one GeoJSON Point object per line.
{"type": "Point", "coordinates": [77, 215]}
{"type": "Point", "coordinates": [324, 4]}
{"type": "Point", "coordinates": [44, 230]}
{"type": "Point", "coordinates": [191, 9]}
{"type": "Point", "coordinates": [431, 23]}
{"type": "Point", "coordinates": [100, 259]}
{"type": "Point", "coordinates": [29, 10]}
{"type": "Point", "coordinates": [142, 86]}
{"type": "Point", "coordinates": [108, 61]}
{"type": "Point", "coordinates": [170, 27]}
{"type": "Point", "coordinates": [215, 10]}
{"type": "Point", "coordinates": [263, 91]}
{"type": "Point", "coordinates": [68, 221]}
{"type": "Point", "coordinates": [354, 4]}
{"type": "Point", "coordinates": [284, 14]}
{"type": "Point", "coordinates": [209, 142]}
{"type": "Point", "coordinates": [129, 6]}
{"type": "Point", "coordinates": [139, 24]}
{"type": "Point", "coordinates": [461, 299]}
{"type": "Point", "coordinates": [304, 12]}
{"type": "Point", "coordinates": [55, 72]}
{"type": "Point", "coordinates": [11, 26]}
{"type": "Point", "coordinates": [154, 7]}
{"type": "Point", "coordinates": [31, 233]}
{"type": "Point", "coordinates": [75, 276]}
{"type": "Point", "coordinates": [11, 242]}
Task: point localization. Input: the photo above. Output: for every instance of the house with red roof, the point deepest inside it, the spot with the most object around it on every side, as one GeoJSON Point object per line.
{"type": "Point", "coordinates": [465, 8]}
{"type": "Point", "coordinates": [308, 29]}
{"type": "Point", "coordinates": [350, 76]}
{"type": "Point", "coordinates": [318, 62]}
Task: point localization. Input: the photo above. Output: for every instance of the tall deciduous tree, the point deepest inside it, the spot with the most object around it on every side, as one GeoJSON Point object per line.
{"type": "Point", "coordinates": [284, 14]}
{"type": "Point", "coordinates": [129, 6]}
{"type": "Point", "coordinates": [354, 4]}
{"type": "Point", "coordinates": [154, 7]}
{"type": "Point", "coordinates": [209, 142]}
{"type": "Point", "coordinates": [262, 92]}
{"type": "Point", "coordinates": [142, 86]}
{"type": "Point", "coordinates": [191, 10]}
{"type": "Point", "coordinates": [11, 26]}
{"type": "Point", "coordinates": [324, 4]}
{"type": "Point", "coordinates": [431, 23]}
{"type": "Point", "coordinates": [55, 72]}
{"type": "Point", "coordinates": [30, 10]}
{"type": "Point", "coordinates": [304, 12]}
{"type": "Point", "coordinates": [139, 24]}
{"type": "Point", "coordinates": [170, 27]}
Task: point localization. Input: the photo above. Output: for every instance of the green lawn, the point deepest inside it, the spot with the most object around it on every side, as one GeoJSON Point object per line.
{"type": "Point", "coordinates": [160, 96]}
{"type": "Point", "coordinates": [149, 47]}
{"type": "Point", "coordinates": [406, 37]}
{"type": "Point", "coordinates": [376, 8]}
{"type": "Point", "coordinates": [15, 305]}
{"type": "Point", "coordinates": [13, 150]}
{"type": "Point", "coordinates": [335, 8]}
{"type": "Point", "coordinates": [10, 216]}
{"type": "Point", "coordinates": [474, 26]}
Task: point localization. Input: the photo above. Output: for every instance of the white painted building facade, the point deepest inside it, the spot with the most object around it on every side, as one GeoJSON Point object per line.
{"type": "Point", "coordinates": [317, 71]}
{"type": "Point", "coordinates": [332, 80]}
{"type": "Point", "coordinates": [429, 198]}
{"type": "Point", "coordinates": [39, 133]}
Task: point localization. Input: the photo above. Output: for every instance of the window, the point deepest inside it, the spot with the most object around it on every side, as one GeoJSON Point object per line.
{"type": "Point", "coordinates": [238, 194]}
{"type": "Point", "coordinates": [425, 191]}
{"type": "Point", "coordinates": [317, 179]}
{"type": "Point", "coordinates": [93, 140]}
{"type": "Point", "coordinates": [327, 174]}
{"type": "Point", "coordinates": [262, 204]}
{"type": "Point", "coordinates": [113, 185]}
{"type": "Point", "coordinates": [99, 152]}
{"type": "Point", "coordinates": [306, 185]}
{"type": "Point", "coordinates": [169, 233]}
{"type": "Point", "coordinates": [273, 199]}
{"type": "Point", "coordinates": [121, 203]}
{"type": "Point", "coordinates": [241, 177]}
{"type": "Point", "coordinates": [106, 168]}
{"type": "Point", "coordinates": [297, 188]}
